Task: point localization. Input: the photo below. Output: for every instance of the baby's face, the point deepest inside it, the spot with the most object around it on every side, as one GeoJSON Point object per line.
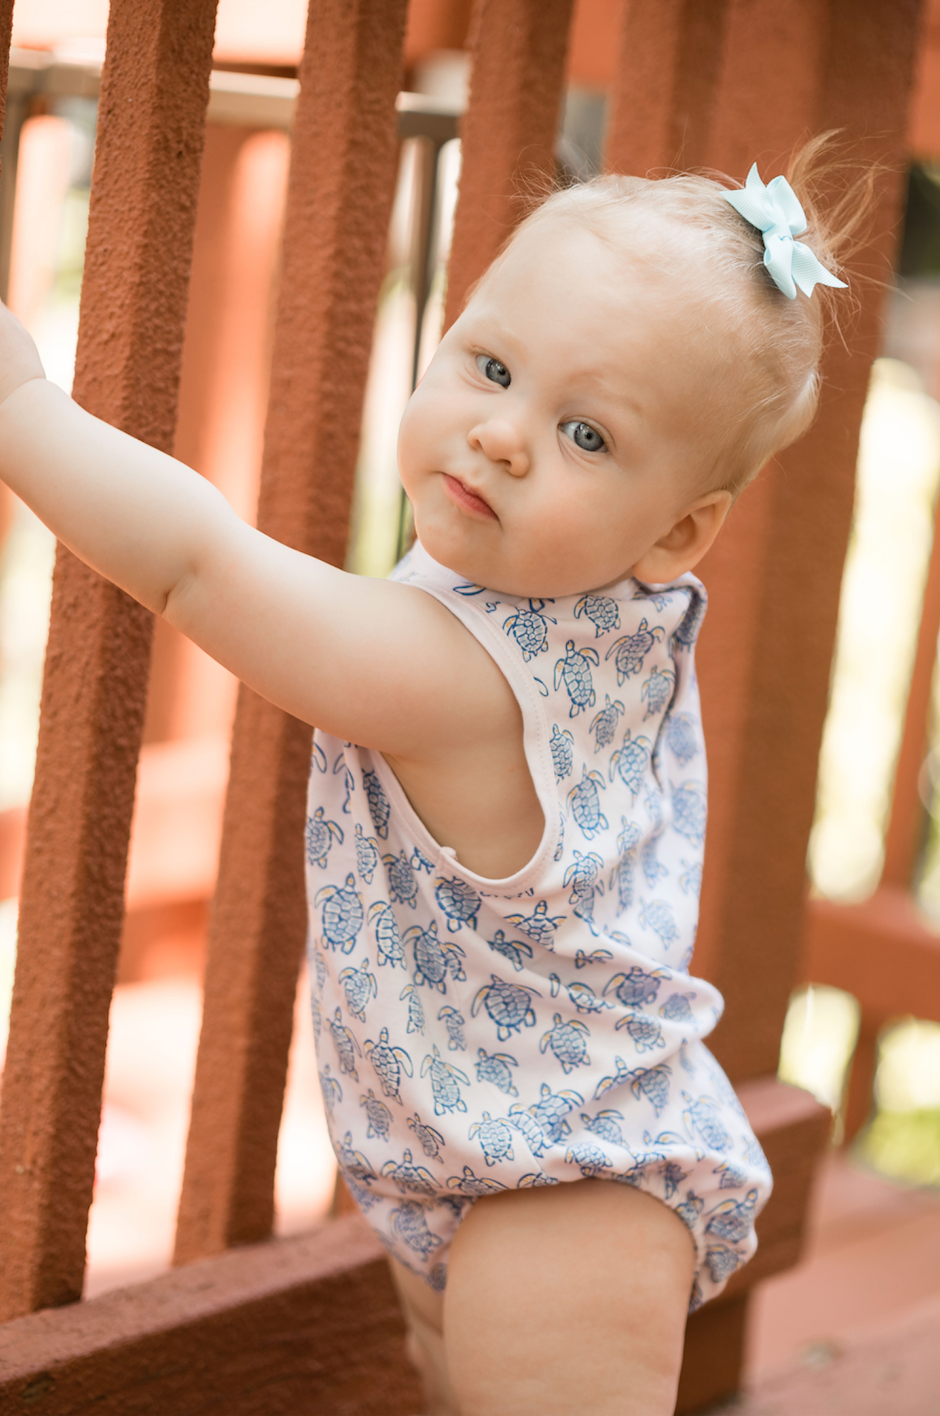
{"type": "Point", "coordinates": [553, 439]}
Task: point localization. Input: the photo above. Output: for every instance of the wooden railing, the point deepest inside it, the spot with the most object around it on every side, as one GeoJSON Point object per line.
{"type": "Point", "coordinates": [247, 1324]}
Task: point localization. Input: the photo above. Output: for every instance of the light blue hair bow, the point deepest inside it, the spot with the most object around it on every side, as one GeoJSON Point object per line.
{"type": "Point", "coordinates": [776, 212]}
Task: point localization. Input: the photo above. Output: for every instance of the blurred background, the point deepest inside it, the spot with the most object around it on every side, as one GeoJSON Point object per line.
{"type": "Point", "coordinates": [47, 156]}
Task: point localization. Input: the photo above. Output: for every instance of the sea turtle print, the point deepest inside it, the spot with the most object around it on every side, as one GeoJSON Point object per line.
{"type": "Point", "coordinates": [445, 1083]}
{"type": "Point", "coordinates": [495, 1137]}
{"type": "Point", "coordinates": [430, 1141]}
{"type": "Point", "coordinates": [415, 1008]}
{"type": "Point", "coordinates": [494, 1067]}
{"type": "Point", "coordinates": [568, 1042]}
{"type": "Point", "coordinates": [459, 901]}
{"type": "Point", "coordinates": [631, 761]}
{"type": "Point", "coordinates": [379, 808]}
{"type": "Point", "coordinates": [319, 836]}
{"type": "Point", "coordinates": [347, 1048]}
{"type": "Point", "coordinates": [561, 749]}
{"type": "Point", "coordinates": [511, 949]}
{"type": "Point", "coordinates": [331, 1089]}
{"type": "Point", "coordinates": [408, 1176]}
{"type": "Point", "coordinates": [690, 1209]}
{"type": "Point", "coordinates": [453, 1021]}
{"type": "Point", "coordinates": [657, 915]}
{"type": "Point", "coordinates": [378, 1116]}
{"type": "Point", "coordinates": [721, 1262]}
{"type": "Point", "coordinates": [601, 610]}
{"type": "Point", "coordinates": [630, 651]}
{"type": "Point", "coordinates": [402, 884]}
{"type": "Point", "coordinates": [341, 914]}
{"type": "Point", "coordinates": [318, 762]}
{"type": "Point", "coordinates": [388, 940]}
{"type": "Point", "coordinates": [435, 958]}
{"type": "Point", "coordinates": [411, 1227]}
{"type": "Point", "coordinates": [389, 1063]}
{"type": "Point", "coordinates": [528, 978]}
{"type": "Point", "coordinates": [687, 631]}
{"type": "Point", "coordinates": [367, 854]}
{"type": "Point", "coordinates": [689, 811]}
{"type": "Point", "coordinates": [359, 985]}
{"type": "Point", "coordinates": [590, 1159]}
{"type": "Point", "coordinates": [509, 1005]}
{"type": "Point", "coordinates": [604, 723]}
{"type": "Point", "coordinates": [574, 671]}
{"type": "Point", "coordinates": [529, 630]}
{"type": "Point", "coordinates": [539, 925]}
{"type": "Point", "coordinates": [657, 691]}
{"type": "Point", "coordinates": [682, 738]}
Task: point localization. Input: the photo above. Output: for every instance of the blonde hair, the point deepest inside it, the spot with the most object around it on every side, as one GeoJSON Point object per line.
{"type": "Point", "coordinates": [765, 349]}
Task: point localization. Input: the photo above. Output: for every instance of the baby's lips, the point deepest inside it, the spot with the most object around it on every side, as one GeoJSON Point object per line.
{"type": "Point", "coordinates": [464, 496]}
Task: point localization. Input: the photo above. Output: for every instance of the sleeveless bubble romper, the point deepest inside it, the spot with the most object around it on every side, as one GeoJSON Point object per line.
{"type": "Point", "coordinates": [476, 1035]}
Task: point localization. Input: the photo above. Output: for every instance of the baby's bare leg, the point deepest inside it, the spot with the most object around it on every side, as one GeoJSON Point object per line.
{"type": "Point", "coordinates": [566, 1299]}
{"type": "Point", "coordinates": [424, 1315]}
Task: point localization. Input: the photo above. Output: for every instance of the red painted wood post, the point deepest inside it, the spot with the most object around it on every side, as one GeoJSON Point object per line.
{"type": "Point", "coordinates": [775, 573]}
{"type": "Point", "coordinates": [508, 133]}
{"type": "Point", "coordinates": [662, 97]}
{"type": "Point", "coordinates": [338, 205]}
{"type": "Point", "coordinates": [154, 94]}
{"type": "Point", "coordinates": [6, 30]}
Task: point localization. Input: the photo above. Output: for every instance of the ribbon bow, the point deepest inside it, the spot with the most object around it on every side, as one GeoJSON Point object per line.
{"type": "Point", "coordinates": [776, 212]}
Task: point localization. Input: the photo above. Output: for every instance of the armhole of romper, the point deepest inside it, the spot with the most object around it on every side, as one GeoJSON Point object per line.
{"type": "Point", "coordinates": [535, 742]}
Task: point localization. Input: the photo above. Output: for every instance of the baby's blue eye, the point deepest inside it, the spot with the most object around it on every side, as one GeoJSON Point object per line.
{"type": "Point", "coordinates": [584, 437]}
{"type": "Point", "coordinates": [493, 370]}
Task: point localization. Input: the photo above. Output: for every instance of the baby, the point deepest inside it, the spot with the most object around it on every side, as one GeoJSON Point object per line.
{"type": "Point", "coordinates": [507, 793]}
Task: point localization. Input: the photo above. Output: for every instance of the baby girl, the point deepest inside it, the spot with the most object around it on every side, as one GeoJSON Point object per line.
{"type": "Point", "coordinates": [507, 793]}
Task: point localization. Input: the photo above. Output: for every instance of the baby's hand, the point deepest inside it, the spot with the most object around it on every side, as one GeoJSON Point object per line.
{"type": "Point", "coordinates": [19, 358]}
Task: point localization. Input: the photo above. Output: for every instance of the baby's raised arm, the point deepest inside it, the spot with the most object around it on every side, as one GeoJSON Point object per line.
{"type": "Point", "coordinates": [373, 662]}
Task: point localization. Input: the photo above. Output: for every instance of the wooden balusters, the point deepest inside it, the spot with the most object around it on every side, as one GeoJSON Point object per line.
{"type": "Point", "coordinates": [508, 132]}
{"type": "Point", "coordinates": [154, 94]}
{"type": "Point", "coordinates": [339, 199]}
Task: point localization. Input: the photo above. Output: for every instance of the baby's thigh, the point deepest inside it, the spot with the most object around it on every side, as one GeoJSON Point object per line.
{"type": "Point", "coordinates": [567, 1297]}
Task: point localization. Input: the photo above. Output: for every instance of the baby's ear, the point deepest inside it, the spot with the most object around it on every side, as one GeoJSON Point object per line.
{"type": "Point", "coordinates": [684, 545]}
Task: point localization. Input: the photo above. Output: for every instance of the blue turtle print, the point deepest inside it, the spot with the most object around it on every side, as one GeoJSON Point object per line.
{"type": "Point", "coordinates": [721, 1262]}
{"type": "Point", "coordinates": [430, 1141]}
{"type": "Point", "coordinates": [341, 769]}
{"type": "Point", "coordinates": [551, 1109]}
{"type": "Point", "coordinates": [419, 862]}
{"type": "Point", "coordinates": [590, 1159]}
{"type": "Point", "coordinates": [378, 1116]}
{"type": "Point", "coordinates": [473, 1185]}
{"type": "Point", "coordinates": [411, 1227]}
{"type": "Point", "coordinates": [581, 994]}
{"type": "Point", "coordinates": [415, 1008]}
{"type": "Point", "coordinates": [689, 811]}
{"type": "Point", "coordinates": [672, 1176]}
{"type": "Point", "coordinates": [509, 1005]}
{"type": "Point", "coordinates": [320, 835]}
{"type": "Point", "coordinates": [681, 738]}
{"type": "Point", "coordinates": [367, 855]}
{"type": "Point", "coordinates": [574, 670]}
{"type": "Point", "coordinates": [453, 1021]}
{"type": "Point", "coordinates": [657, 915]}
{"type": "Point", "coordinates": [690, 1209]}
{"type": "Point", "coordinates": [657, 691]}
{"type": "Point", "coordinates": [644, 1032]}
{"type": "Point", "coordinates": [621, 877]}
{"type": "Point", "coordinates": [677, 1008]}
{"type": "Point", "coordinates": [347, 1048]}
{"type": "Point", "coordinates": [387, 938]}
{"type": "Point", "coordinates": [730, 1177]}
{"type": "Point", "coordinates": [389, 1063]}
{"type": "Point", "coordinates": [341, 914]}
{"type": "Point", "coordinates": [630, 651]}
{"type": "Point", "coordinates": [379, 808]}
{"type": "Point", "coordinates": [495, 1136]}
{"type": "Point", "coordinates": [331, 1089]}
{"type": "Point", "coordinates": [702, 1118]}
{"type": "Point", "coordinates": [529, 630]}
{"type": "Point", "coordinates": [732, 1219]}
{"type": "Point", "coordinates": [317, 759]}
{"type": "Point", "coordinates": [604, 723]}
{"type": "Point", "coordinates": [402, 884]}
{"type": "Point", "coordinates": [584, 803]}
{"type": "Point", "coordinates": [539, 925]}
{"type": "Point", "coordinates": [445, 1083]}
{"type": "Point", "coordinates": [408, 1176]}
{"type": "Point", "coordinates": [510, 949]}
{"type": "Point", "coordinates": [434, 958]}
{"type": "Point", "coordinates": [690, 881]}
{"type": "Point", "coordinates": [494, 1067]}
{"type": "Point", "coordinates": [359, 986]}
{"type": "Point", "coordinates": [601, 610]}
{"type": "Point", "coordinates": [459, 901]}
{"type": "Point", "coordinates": [606, 1125]}
{"type": "Point", "coordinates": [353, 1162]}
{"type": "Point", "coordinates": [568, 1042]}
{"type": "Point", "coordinates": [687, 632]}
{"type": "Point", "coordinates": [631, 762]}
{"type": "Point", "coordinates": [596, 956]}
{"type": "Point", "coordinates": [561, 748]}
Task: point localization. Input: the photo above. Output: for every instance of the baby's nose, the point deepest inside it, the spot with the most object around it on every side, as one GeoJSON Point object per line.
{"type": "Point", "coordinates": [502, 440]}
